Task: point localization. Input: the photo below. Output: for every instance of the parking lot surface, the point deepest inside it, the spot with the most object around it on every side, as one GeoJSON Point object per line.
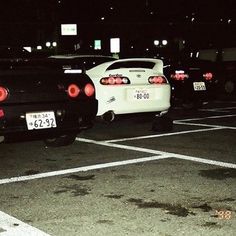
{"type": "Point", "coordinates": [124, 178]}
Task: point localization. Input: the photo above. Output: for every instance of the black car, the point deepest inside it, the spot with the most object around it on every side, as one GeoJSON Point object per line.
{"type": "Point", "coordinates": [193, 82]}
{"type": "Point", "coordinates": [84, 61]}
{"type": "Point", "coordinates": [40, 101]}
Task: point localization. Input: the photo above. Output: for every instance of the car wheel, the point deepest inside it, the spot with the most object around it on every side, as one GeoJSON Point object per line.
{"type": "Point", "coordinates": [63, 140]}
{"type": "Point", "coordinates": [162, 124]}
{"type": "Point", "coordinates": [229, 86]}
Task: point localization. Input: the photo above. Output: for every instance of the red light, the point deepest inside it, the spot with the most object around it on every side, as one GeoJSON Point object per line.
{"type": "Point", "coordinates": [111, 80]}
{"type": "Point", "coordinates": [157, 80]}
{"type": "Point", "coordinates": [114, 80]}
{"type": "Point", "coordinates": [1, 113]}
{"type": "Point", "coordinates": [118, 80]}
{"type": "Point", "coordinates": [89, 90]}
{"type": "Point", "coordinates": [208, 76]}
{"type": "Point", "coordinates": [3, 94]}
{"type": "Point", "coordinates": [73, 90]}
{"type": "Point", "coordinates": [179, 76]}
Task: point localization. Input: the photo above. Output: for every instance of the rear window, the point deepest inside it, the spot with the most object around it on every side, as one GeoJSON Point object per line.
{"type": "Point", "coordinates": [132, 64]}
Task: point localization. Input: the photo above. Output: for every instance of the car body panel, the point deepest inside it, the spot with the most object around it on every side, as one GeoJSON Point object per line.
{"type": "Point", "coordinates": [38, 90]}
{"type": "Point", "coordinates": [121, 99]}
{"type": "Point", "coordinates": [195, 89]}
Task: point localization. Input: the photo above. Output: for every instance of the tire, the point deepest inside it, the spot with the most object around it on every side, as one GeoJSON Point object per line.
{"type": "Point", "coordinates": [162, 124]}
{"type": "Point", "coordinates": [62, 140]}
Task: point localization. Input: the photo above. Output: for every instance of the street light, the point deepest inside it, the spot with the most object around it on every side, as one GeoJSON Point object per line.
{"type": "Point", "coordinates": [156, 42]}
{"type": "Point", "coordinates": [164, 42]}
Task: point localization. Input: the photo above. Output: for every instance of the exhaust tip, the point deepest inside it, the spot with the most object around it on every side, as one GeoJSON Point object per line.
{"type": "Point", "coordinates": [109, 116]}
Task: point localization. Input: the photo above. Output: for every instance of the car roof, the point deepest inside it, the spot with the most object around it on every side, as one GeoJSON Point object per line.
{"type": "Point", "coordinates": [71, 56]}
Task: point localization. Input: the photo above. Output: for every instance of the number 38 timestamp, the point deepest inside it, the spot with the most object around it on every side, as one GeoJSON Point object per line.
{"type": "Point", "coordinates": [224, 214]}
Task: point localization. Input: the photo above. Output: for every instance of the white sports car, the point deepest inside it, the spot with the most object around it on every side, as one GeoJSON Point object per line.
{"type": "Point", "coordinates": [133, 85]}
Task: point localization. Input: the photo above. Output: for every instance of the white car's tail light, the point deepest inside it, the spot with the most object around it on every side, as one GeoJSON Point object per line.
{"type": "Point", "coordinates": [73, 90]}
{"type": "Point", "coordinates": [89, 90]}
{"type": "Point", "coordinates": [157, 80]}
{"type": "Point", "coordinates": [208, 76]}
{"type": "Point", "coordinates": [3, 94]}
{"type": "Point", "coordinates": [179, 75]}
{"type": "Point", "coordinates": [112, 80]}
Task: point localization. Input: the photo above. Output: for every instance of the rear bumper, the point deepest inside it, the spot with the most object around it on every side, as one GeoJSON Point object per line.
{"type": "Point", "coordinates": [120, 99]}
{"type": "Point", "coordinates": [184, 91]}
{"type": "Point", "coordinates": [70, 117]}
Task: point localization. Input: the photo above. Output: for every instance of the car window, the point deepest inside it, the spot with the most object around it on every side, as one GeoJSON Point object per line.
{"type": "Point", "coordinates": [132, 64]}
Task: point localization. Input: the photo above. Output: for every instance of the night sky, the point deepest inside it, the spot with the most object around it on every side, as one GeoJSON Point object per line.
{"type": "Point", "coordinates": [205, 22]}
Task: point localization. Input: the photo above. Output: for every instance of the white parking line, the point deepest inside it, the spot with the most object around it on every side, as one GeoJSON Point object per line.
{"type": "Point", "coordinates": [82, 169]}
{"type": "Point", "coordinates": [207, 117]}
{"type": "Point", "coordinates": [164, 134]}
{"type": "Point", "coordinates": [10, 226]}
{"type": "Point", "coordinates": [165, 154]}
{"type": "Point", "coordinates": [204, 125]}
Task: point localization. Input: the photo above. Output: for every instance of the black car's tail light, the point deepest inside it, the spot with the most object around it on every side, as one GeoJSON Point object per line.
{"type": "Point", "coordinates": [73, 90]}
{"type": "Point", "coordinates": [3, 94]}
{"type": "Point", "coordinates": [157, 80]}
{"type": "Point", "coordinates": [114, 80]}
{"type": "Point", "coordinates": [1, 113]}
{"type": "Point", "coordinates": [179, 75]}
{"type": "Point", "coordinates": [208, 76]}
{"type": "Point", "coordinates": [89, 90]}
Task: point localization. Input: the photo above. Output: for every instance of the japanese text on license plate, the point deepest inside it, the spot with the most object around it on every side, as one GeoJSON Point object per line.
{"type": "Point", "coordinates": [141, 94]}
{"type": "Point", "coordinates": [40, 120]}
{"type": "Point", "coordinates": [199, 86]}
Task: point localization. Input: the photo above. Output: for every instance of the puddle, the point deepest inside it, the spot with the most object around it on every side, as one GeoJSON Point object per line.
{"type": "Point", "coordinates": [177, 210]}
{"type": "Point", "coordinates": [205, 207]}
{"type": "Point", "coordinates": [219, 173]}
{"type": "Point", "coordinates": [76, 190]}
{"type": "Point", "coordinates": [115, 196]}
{"type": "Point", "coordinates": [211, 225]}
{"type": "Point", "coordinates": [81, 178]}
{"type": "Point", "coordinates": [110, 222]}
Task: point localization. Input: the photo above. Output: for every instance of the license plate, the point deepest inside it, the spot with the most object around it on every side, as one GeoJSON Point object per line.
{"type": "Point", "coordinates": [199, 86]}
{"type": "Point", "coordinates": [140, 94]}
{"type": "Point", "coordinates": [40, 120]}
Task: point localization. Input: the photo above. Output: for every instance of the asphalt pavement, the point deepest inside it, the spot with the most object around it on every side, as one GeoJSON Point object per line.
{"type": "Point", "coordinates": [123, 178]}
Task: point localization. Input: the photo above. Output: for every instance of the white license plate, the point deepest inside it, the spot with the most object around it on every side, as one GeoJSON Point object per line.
{"type": "Point", "coordinates": [140, 94]}
{"type": "Point", "coordinates": [199, 86]}
{"type": "Point", "coordinates": [41, 120]}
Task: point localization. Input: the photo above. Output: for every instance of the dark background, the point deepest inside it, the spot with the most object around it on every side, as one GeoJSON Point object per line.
{"type": "Point", "coordinates": [199, 24]}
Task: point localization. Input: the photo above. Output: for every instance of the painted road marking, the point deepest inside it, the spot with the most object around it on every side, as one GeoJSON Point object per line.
{"type": "Point", "coordinates": [158, 154]}
{"type": "Point", "coordinates": [182, 122]}
{"type": "Point", "coordinates": [10, 226]}
{"type": "Point", "coordinates": [166, 154]}
{"type": "Point", "coordinates": [204, 125]}
{"type": "Point", "coordinates": [81, 169]}
{"type": "Point", "coordinates": [164, 134]}
{"type": "Point", "coordinates": [207, 117]}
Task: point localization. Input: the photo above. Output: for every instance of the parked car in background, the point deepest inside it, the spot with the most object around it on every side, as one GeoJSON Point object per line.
{"type": "Point", "coordinates": [73, 61]}
{"type": "Point", "coordinates": [133, 85]}
{"type": "Point", "coordinates": [225, 62]}
{"type": "Point", "coordinates": [193, 81]}
{"type": "Point", "coordinates": [40, 101]}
